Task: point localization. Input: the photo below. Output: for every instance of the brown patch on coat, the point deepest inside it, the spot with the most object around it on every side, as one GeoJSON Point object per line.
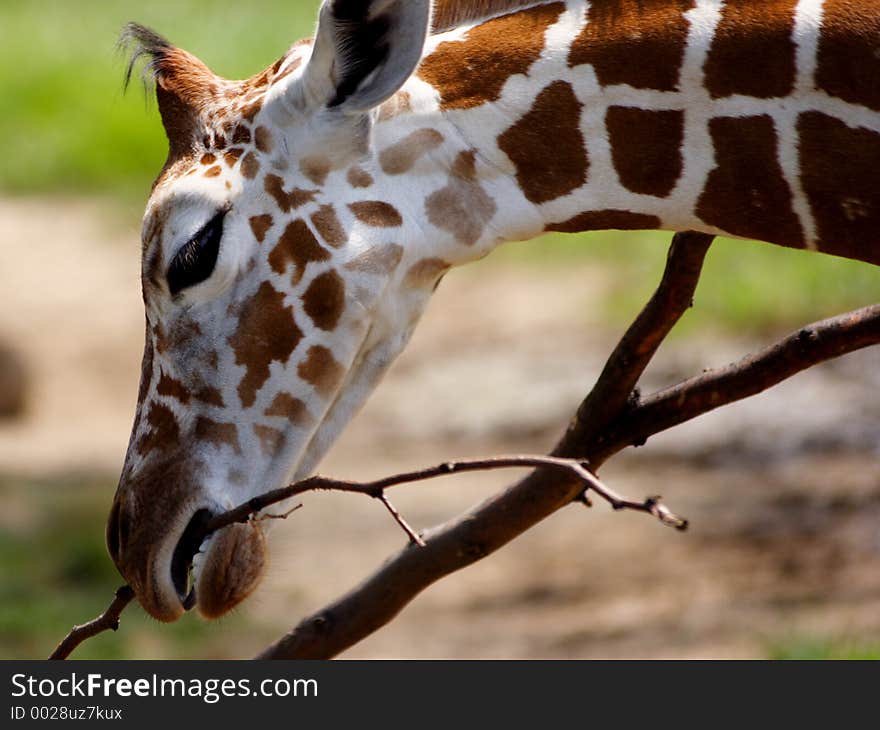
{"type": "Point", "coordinates": [462, 207]}
{"type": "Point", "coordinates": [751, 33]}
{"type": "Point", "coordinates": [209, 395]}
{"type": "Point", "coordinates": [324, 300]}
{"type": "Point", "coordinates": [271, 439]}
{"type": "Point", "coordinates": [358, 177]}
{"type": "Point", "coordinates": [473, 71]}
{"type": "Point", "coordinates": [216, 433]}
{"type": "Point", "coordinates": [603, 220]}
{"type": "Point", "coordinates": [848, 60]}
{"type": "Point", "coordinates": [299, 246]}
{"type": "Point", "coordinates": [241, 135]}
{"type": "Point", "coordinates": [250, 166]}
{"type": "Point", "coordinates": [230, 157]}
{"type": "Point", "coordinates": [321, 370]}
{"type": "Point", "coordinates": [401, 156]}
{"type": "Point", "coordinates": [378, 261]}
{"type": "Point", "coordinates": [260, 224]}
{"type": "Point", "coordinates": [251, 110]}
{"type": "Point", "coordinates": [266, 332]}
{"type": "Point", "coordinates": [326, 222]}
{"type": "Point", "coordinates": [289, 69]}
{"type": "Point", "coordinates": [646, 148]}
{"type": "Point", "coordinates": [425, 273]}
{"type": "Point", "coordinates": [163, 433]}
{"type": "Point", "coordinates": [634, 42]}
{"type": "Point", "coordinates": [208, 159]}
{"type": "Point", "coordinates": [263, 139]}
{"type": "Point", "coordinates": [213, 171]}
{"type": "Point", "coordinates": [297, 197]}
{"type": "Point", "coordinates": [172, 388]}
{"type": "Point", "coordinates": [376, 213]}
{"type": "Point", "coordinates": [546, 145]}
{"type": "Point", "coordinates": [398, 104]}
{"type": "Point", "coordinates": [293, 409]}
{"type": "Point", "coordinates": [315, 169]}
{"type": "Point", "coordinates": [177, 338]}
{"type": "Point", "coordinates": [839, 174]}
{"type": "Point", "coordinates": [746, 194]}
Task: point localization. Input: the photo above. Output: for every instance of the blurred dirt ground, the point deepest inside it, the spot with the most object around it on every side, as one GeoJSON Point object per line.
{"type": "Point", "coordinates": [783, 492]}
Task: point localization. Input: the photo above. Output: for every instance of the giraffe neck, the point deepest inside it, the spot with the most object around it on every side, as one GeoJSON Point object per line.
{"type": "Point", "coordinates": [735, 118]}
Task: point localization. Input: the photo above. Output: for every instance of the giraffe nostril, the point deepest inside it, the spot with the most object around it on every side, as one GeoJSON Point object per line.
{"type": "Point", "coordinates": [117, 531]}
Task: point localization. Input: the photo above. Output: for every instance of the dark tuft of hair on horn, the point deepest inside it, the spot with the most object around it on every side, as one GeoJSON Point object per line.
{"type": "Point", "coordinates": [140, 43]}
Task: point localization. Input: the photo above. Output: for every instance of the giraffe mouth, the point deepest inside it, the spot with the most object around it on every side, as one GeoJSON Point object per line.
{"type": "Point", "coordinates": [191, 543]}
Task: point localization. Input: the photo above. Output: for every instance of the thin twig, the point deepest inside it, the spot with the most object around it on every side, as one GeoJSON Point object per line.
{"type": "Point", "coordinates": [376, 489]}
{"type": "Point", "coordinates": [107, 621]}
{"type": "Point", "coordinates": [414, 537]}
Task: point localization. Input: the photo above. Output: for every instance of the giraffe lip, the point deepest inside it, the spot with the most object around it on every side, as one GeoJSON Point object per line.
{"type": "Point", "coordinates": [181, 561]}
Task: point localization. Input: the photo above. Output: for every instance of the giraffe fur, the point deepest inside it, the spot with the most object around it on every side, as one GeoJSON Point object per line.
{"type": "Point", "coordinates": [333, 190]}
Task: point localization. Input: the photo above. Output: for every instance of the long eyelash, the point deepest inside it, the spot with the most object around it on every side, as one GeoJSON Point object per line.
{"type": "Point", "coordinates": [188, 267]}
{"type": "Point", "coordinates": [187, 255]}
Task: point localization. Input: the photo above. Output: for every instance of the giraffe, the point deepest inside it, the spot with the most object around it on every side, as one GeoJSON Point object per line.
{"type": "Point", "coordinates": [304, 216]}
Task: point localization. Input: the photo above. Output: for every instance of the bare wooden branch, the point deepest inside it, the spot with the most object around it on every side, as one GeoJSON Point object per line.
{"type": "Point", "coordinates": [107, 621]}
{"type": "Point", "coordinates": [611, 417]}
{"type": "Point", "coordinates": [753, 374]}
{"type": "Point", "coordinates": [673, 297]}
{"type": "Point", "coordinates": [501, 518]}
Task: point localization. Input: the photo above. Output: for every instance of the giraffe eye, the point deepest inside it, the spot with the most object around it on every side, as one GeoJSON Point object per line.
{"type": "Point", "coordinates": [195, 261]}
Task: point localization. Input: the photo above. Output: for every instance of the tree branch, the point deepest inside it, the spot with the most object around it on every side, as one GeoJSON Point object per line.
{"type": "Point", "coordinates": [673, 297]}
{"type": "Point", "coordinates": [754, 374]}
{"type": "Point", "coordinates": [609, 419]}
{"type": "Point", "coordinates": [107, 621]}
{"type": "Point", "coordinates": [597, 432]}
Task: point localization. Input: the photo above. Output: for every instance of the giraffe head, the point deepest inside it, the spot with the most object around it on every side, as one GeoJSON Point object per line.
{"type": "Point", "coordinates": [270, 281]}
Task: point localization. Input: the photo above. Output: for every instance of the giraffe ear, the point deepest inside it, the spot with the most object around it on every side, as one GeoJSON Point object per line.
{"type": "Point", "coordinates": [364, 51]}
{"type": "Point", "coordinates": [184, 85]}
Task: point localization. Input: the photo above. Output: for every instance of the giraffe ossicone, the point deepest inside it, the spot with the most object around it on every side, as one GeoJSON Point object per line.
{"type": "Point", "coordinates": [304, 216]}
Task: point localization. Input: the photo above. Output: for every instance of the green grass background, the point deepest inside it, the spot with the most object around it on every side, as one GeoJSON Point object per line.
{"type": "Point", "coordinates": [68, 129]}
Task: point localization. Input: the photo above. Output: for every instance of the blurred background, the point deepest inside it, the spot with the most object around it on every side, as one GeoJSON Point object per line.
{"type": "Point", "coordinates": [783, 492]}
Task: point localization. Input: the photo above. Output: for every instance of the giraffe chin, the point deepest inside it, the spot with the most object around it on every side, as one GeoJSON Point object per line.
{"type": "Point", "coordinates": [230, 568]}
